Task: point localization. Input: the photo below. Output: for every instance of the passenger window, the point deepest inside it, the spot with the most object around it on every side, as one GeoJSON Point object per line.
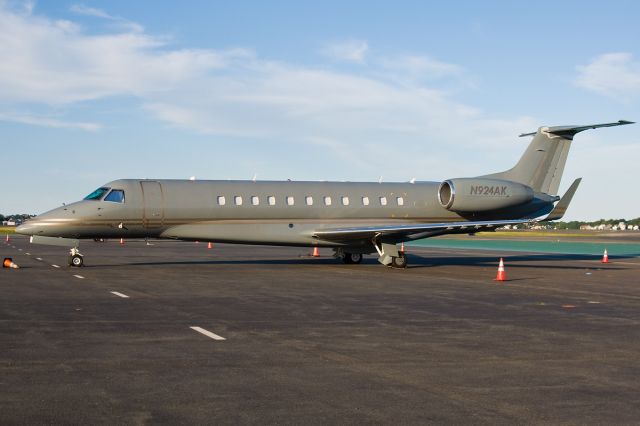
{"type": "Point", "coordinates": [221, 200]}
{"type": "Point", "coordinates": [255, 200]}
{"type": "Point", "coordinates": [237, 200]}
{"type": "Point", "coordinates": [271, 200]}
{"type": "Point", "coordinates": [309, 200]}
{"type": "Point", "coordinates": [115, 196]}
{"type": "Point", "coordinates": [345, 201]}
{"type": "Point", "coordinates": [383, 201]}
{"type": "Point", "coordinates": [327, 201]}
{"type": "Point", "coordinates": [400, 201]}
{"type": "Point", "coordinates": [365, 201]}
{"type": "Point", "coordinates": [97, 194]}
{"type": "Point", "coordinates": [290, 200]}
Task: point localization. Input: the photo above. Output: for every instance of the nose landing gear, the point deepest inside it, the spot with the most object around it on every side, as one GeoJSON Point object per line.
{"type": "Point", "coordinates": [75, 257]}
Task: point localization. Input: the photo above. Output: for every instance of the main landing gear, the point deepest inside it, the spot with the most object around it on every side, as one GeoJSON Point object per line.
{"type": "Point", "coordinates": [75, 257]}
{"type": "Point", "coordinates": [399, 262]}
{"type": "Point", "coordinates": [348, 258]}
{"type": "Point", "coordinates": [352, 258]}
{"type": "Point", "coordinates": [390, 255]}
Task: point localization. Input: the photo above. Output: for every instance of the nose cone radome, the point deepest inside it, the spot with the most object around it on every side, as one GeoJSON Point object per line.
{"type": "Point", "coordinates": [46, 224]}
{"type": "Point", "coordinates": [25, 229]}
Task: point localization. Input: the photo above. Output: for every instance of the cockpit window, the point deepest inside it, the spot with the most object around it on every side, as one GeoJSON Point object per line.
{"type": "Point", "coordinates": [97, 194]}
{"type": "Point", "coordinates": [116, 196]}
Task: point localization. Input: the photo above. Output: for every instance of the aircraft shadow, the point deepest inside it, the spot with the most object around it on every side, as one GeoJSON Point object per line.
{"type": "Point", "coordinates": [543, 258]}
{"type": "Point", "coordinates": [414, 261]}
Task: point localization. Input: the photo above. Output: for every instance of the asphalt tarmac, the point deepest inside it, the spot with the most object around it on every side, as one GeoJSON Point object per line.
{"type": "Point", "coordinates": [313, 341]}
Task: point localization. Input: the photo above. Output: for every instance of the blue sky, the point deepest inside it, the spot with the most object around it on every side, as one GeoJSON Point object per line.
{"type": "Point", "coordinates": [95, 91]}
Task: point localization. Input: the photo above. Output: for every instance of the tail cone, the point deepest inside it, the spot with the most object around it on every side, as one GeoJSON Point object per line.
{"type": "Point", "coordinates": [316, 253]}
{"type": "Point", "coordinates": [121, 240]}
{"type": "Point", "coordinates": [401, 247]}
{"type": "Point", "coordinates": [209, 246]}
{"type": "Point", "coordinates": [8, 238]}
{"type": "Point", "coordinates": [605, 257]}
{"type": "Point", "coordinates": [501, 274]}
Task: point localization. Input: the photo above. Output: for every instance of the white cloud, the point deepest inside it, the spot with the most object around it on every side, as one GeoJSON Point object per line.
{"type": "Point", "coordinates": [81, 9]}
{"type": "Point", "coordinates": [126, 24]}
{"type": "Point", "coordinates": [48, 122]}
{"type": "Point", "coordinates": [371, 115]}
{"type": "Point", "coordinates": [423, 66]}
{"type": "Point", "coordinates": [349, 50]}
{"type": "Point", "coordinates": [616, 75]}
{"type": "Point", "coordinates": [53, 62]}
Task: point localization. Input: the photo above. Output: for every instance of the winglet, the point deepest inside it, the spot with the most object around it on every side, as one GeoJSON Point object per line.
{"type": "Point", "coordinates": [560, 208]}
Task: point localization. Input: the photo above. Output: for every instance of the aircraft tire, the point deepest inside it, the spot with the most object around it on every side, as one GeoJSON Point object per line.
{"type": "Point", "coordinates": [352, 258]}
{"type": "Point", "coordinates": [76, 260]}
{"type": "Point", "coordinates": [399, 262]}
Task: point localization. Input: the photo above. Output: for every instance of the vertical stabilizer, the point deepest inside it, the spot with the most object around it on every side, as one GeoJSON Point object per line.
{"type": "Point", "coordinates": [542, 164]}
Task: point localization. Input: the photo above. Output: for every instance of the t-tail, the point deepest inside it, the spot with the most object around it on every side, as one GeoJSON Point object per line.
{"type": "Point", "coordinates": [542, 164]}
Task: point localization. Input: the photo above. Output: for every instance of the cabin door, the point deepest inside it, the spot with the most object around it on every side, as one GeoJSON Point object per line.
{"type": "Point", "coordinates": [153, 213]}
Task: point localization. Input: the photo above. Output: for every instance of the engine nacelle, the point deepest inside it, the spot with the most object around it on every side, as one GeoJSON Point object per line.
{"type": "Point", "coordinates": [468, 195]}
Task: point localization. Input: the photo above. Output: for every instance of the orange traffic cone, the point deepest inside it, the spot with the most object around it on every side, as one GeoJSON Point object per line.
{"type": "Point", "coordinates": [121, 240]}
{"type": "Point", "coordinates": [501, 275]}
{"type": "Point", "coordinates": [316, 253]}
{"type": "Point", "coordinates": [8, 263]}
{"type": "Point", "coordinates": [401, 247]}
{"type": "Point", "coordinates": [605, 257]}
{"type": "Point", "coordinates": [209, 245]}
{"type": "Point", "coordinates": [8, 238]}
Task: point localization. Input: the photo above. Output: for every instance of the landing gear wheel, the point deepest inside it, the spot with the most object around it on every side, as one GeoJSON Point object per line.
{"type": "Point", "coordinates": [399, 262]}
{"type": "Point", "coordinates": [76, 260]}
{"type": "Point", "coordinates": [351, 258]}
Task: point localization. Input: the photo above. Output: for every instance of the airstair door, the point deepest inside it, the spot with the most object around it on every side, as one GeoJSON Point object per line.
{"type": "Point", "coordinates": [153, 214]}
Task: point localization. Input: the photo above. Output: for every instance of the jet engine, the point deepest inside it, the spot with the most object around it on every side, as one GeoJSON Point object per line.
{"type": "Point", "coordinates": [467, 195]}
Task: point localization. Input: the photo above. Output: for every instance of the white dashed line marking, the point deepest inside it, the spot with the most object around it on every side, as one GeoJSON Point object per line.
{"type": "Point", "coordinates": [593, 302]}
{"type": "Point", "coordinates": [55, 266]}
{"type": "Point", "coordinates": [19, 249]}
{"type": "Point", "coordinates": [79, 276]}
{"type": "Point", "coordinates": [207, 333]}
{"type": "Point", "coordinates": [117, 293]}
{"type": "Point", "coordinates": [28, 254]}
{"type": "Point", "coordinates": [39, 258]}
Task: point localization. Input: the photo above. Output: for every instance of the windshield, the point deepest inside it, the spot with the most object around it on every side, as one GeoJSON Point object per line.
{"type": "Point", "coordinates": [97, 194]}
{"type": "Point", "coordinates": [116, 196]}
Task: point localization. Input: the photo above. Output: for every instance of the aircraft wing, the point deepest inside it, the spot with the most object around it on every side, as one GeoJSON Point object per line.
{"type": "Point", "coordinates": [410, 232]}
{"type": "Point", "coordinates": [397, 233]}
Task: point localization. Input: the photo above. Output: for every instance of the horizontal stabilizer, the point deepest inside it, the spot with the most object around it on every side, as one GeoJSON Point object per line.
{"type": "Point", "coordinates": [569, 132]}
{"type": "Point", "coordinates": [560, 208]}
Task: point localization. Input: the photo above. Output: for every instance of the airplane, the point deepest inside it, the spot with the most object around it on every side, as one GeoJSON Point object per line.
{"type": "Point", "coordinates": [352, 218]}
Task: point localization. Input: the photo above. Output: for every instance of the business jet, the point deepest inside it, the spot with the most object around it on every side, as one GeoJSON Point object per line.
{"type": "Point", "coordinates": [352, 218]}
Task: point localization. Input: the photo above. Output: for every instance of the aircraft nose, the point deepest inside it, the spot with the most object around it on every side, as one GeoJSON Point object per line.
{"type": "Point", "coordinates": [25, 229]}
